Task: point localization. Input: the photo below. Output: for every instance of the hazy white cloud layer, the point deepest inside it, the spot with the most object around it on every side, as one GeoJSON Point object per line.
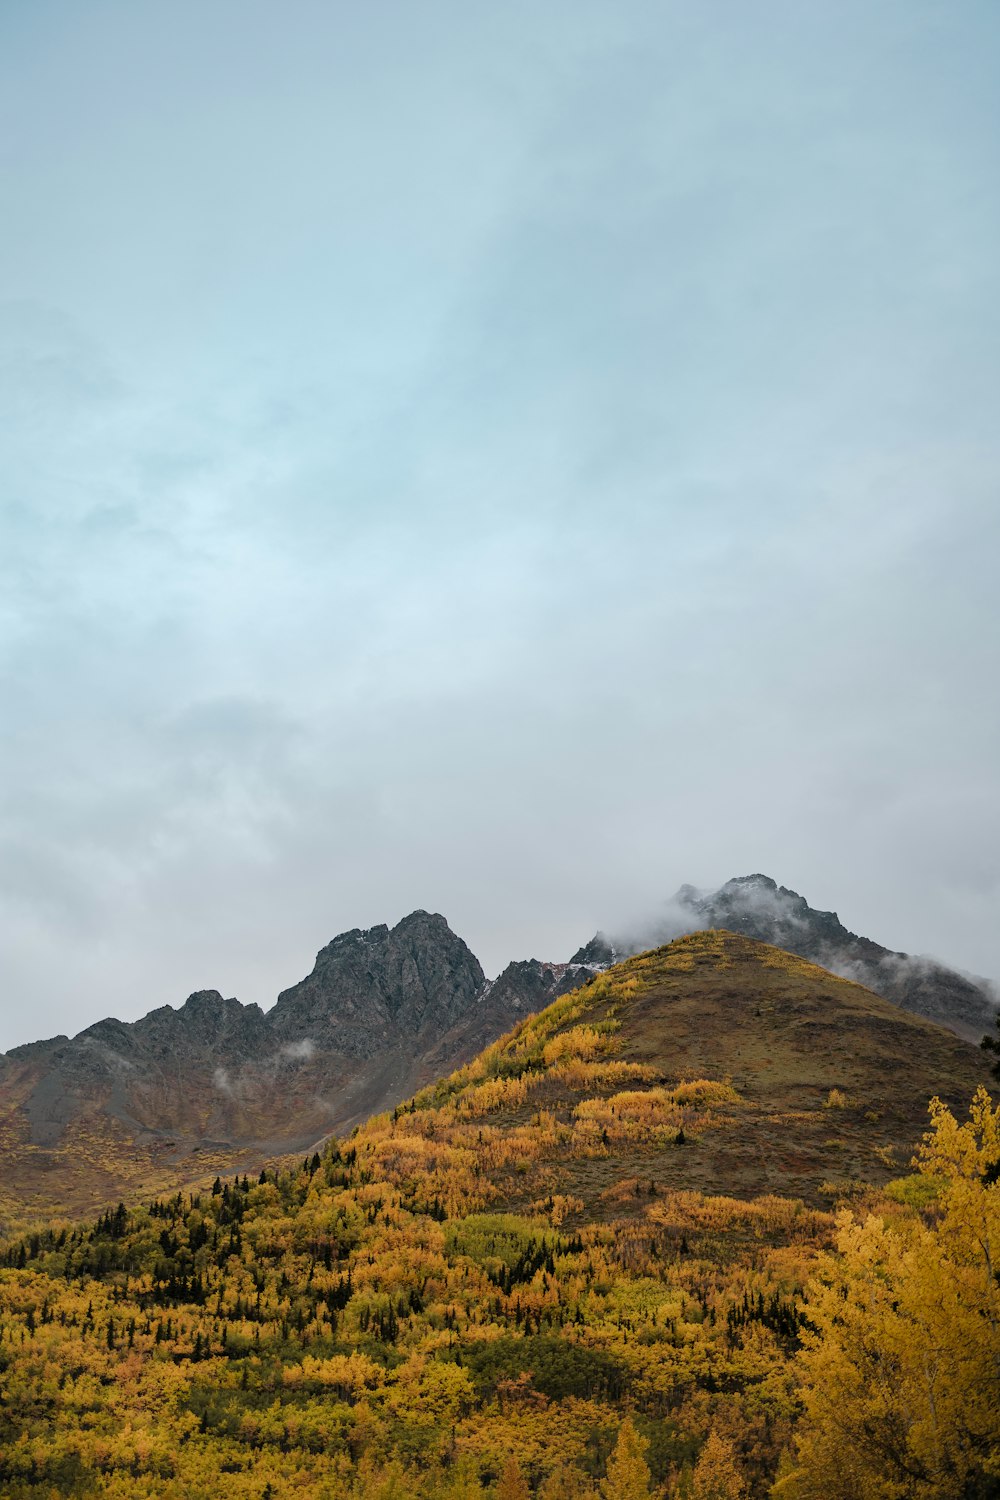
{"type": "Point", "coordinates": [508, 460]}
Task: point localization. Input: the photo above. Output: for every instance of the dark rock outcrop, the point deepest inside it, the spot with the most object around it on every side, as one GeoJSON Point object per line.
{"type": "Point", "coordinates": [367, 985]}
{"type": "Point", "coordinates": [599, 953]}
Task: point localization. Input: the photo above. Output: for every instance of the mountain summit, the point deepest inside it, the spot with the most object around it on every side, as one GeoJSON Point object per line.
{"type": "Point", "coordinates": [365, 985]}
{"type": "Point", "coordinates": [757, 907]}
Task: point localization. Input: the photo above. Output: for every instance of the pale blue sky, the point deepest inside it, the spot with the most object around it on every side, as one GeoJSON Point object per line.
{"type": "Point", "coordinates": [508, 460]}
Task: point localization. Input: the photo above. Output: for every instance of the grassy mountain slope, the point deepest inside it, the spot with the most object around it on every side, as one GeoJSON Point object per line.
{"type": "Point", "coordinates": [785, 1033]}
{"type": "Point", "coordinates": [756, 906]}
{"type": "Point", "coordinates": [616, 1207]}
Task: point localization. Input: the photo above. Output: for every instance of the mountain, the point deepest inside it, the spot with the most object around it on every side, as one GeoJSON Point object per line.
{"type": "Point", "coordinates": [129, 1108]}
{"type": "Point", "coordinates": [756, 906]}
{"type": "Point", "coordinates": [619, 1207]}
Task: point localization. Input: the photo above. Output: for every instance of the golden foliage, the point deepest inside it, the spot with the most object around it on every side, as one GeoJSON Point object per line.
{"type": "Point", "coordinates": [467, 1296]}
{"type": "Point", "coordinates": [628, 1473]}
{"type": "Point", "coordinates": [901, 1372]}
{"type": "Point", "coordinates": [717, 1475]}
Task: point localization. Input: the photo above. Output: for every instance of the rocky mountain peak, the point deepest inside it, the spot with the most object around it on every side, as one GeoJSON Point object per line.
{"type": "Point", "coordinates": [355, 937]}
{"type": "Point", "coordinates": [368, 984]}
{"type": "Point", "coordinates": [758, 907]}
{"type": "Point", "coordinates": [430, 922]}
{"type": "Point", "coordinates": [203, 1001]}
{"type": "Point", "coordinates": [599, 953]}
{"type": "Point", "coordinates": [740, 882]}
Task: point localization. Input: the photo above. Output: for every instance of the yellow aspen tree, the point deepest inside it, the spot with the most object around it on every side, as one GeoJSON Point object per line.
{"type": "Point", "coordinates": [717, 1475]}
{"type": "Point", "coordinates": [463, 1483]}
{"type": "Point", "coordinates": [901, 1370]}
{"type": "Point", "coordinates": [391, 1484]}
{"type": "Point", "coordinates": [565, 1483]}
{"type": "Point", "coordinates": [512, 1484]}
{"type": "Point", "coordinates": [628, 1473]}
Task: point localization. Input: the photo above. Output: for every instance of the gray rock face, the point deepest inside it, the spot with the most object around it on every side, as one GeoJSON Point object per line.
{"type": "Point", "coordinates": [600, 953]}
{"type": "Point", "coordinates": [204, 1020]}
{"type": "Point", "coordinates": [365, 986]}
{"type": "Point", "coordinates": [528, 984]}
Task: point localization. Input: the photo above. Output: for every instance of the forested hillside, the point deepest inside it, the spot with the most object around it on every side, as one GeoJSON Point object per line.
{"type": "Point", "coordinates": [663, 1238]}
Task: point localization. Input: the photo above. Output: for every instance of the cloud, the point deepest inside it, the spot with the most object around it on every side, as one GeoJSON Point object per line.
{"type": "Point", "coordinates": [299, 1051]}
{"type": "Point", "coordinates": [578, 501]}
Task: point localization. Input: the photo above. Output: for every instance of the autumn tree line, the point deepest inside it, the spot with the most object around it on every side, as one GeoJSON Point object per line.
{"type": "Point", "coordinates": [425, 1311]}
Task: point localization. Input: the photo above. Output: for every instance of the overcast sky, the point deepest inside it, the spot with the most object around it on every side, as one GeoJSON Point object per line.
{"type": "Point", "coordinates": [503, 459]}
